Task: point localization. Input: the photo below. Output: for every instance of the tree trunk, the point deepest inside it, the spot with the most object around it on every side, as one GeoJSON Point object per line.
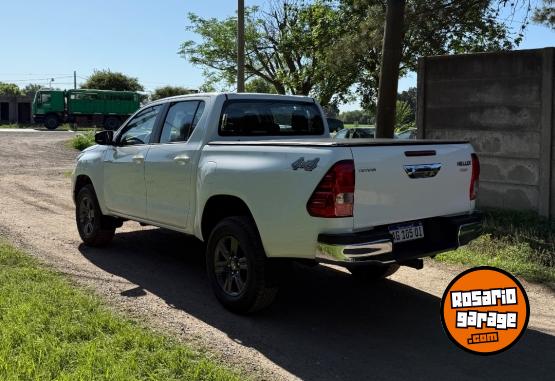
{"type": "Point", "coordinates": [389, 75]}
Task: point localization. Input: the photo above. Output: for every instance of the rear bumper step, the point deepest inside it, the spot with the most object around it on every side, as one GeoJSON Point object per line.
{"type": "Point", "coordinates": [376, 245]}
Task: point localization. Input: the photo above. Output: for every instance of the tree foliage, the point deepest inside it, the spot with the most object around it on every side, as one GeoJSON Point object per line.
{"type": "Point", "coordinates": [357, 117]}
{"type": "Point", "coordinates": [432, 27]}
{"type": "Point", "coordinates": [9, 89]}
{"type": "Point", "coordinates": [545, 14]}
{"type": "Point", "coordinates": [404, 116]}
{"type": "Point", "coordinates": [259, 85]}
{"type": "Point", "coordinates": [31, 89]}
{"type": "Point", "coordinates": [331, 49]}
{"type": "Point", "coordinates": [170, 91]}
{"type": "Point", "coordinates": [288, 45]}
{"type": "Point", "coordinates": [108, 80]}
{"type": "Point", "coordinates": [409, 98]}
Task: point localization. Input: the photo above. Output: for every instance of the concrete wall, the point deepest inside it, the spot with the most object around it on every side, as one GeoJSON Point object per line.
{"type": "Point", "coordinates": [503, 104]}
{"type": "Point", "coordinates": [14, 102]}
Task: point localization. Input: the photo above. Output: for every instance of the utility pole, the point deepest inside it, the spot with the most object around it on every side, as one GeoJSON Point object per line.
{"type": "Point", "coordinates": [389, 74]}
{"type": "Point", "coordinates": [74, 80]}
{"type": "Point", "coordinates": [240, 46]}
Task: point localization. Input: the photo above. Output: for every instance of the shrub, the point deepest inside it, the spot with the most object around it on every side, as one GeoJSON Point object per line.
{"type": "Point", "coordinates": [83, 140]}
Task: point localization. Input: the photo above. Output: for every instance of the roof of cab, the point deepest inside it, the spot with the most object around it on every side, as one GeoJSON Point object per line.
{"type": "Point", "coordinates": [297, 98]}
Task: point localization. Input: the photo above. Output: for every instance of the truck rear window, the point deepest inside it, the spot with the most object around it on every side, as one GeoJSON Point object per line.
{"type": "Point", "coordinates": [270, 118]}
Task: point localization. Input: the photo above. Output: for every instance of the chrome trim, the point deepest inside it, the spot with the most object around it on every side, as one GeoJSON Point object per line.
{"type": "Point", "coordinates": [353, 252]}
{"type": "Point", "coordinates": [419, 171]}
{"type": "Point", "coordinates": [468, 232]}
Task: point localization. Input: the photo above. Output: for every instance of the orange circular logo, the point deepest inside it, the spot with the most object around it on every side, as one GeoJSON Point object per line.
{"type": "Point", "coordinates": [485, 310]}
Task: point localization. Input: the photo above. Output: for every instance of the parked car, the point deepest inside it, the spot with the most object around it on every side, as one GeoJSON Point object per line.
{"type": "Point", "coordinates": [356, 133]}
{"type": "Point", "coordinates": [257, 178]}
{"type": "Point", "coordinates": [408, 134]}
{"type": "Point", "coordinates": [335, 125]}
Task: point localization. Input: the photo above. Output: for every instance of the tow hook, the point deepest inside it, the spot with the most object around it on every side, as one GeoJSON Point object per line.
{"type": "Point", "coordinates": [416, 263]}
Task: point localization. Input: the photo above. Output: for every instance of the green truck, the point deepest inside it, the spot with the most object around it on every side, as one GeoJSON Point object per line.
{"type": "Point", "coordinates": [85, 107]}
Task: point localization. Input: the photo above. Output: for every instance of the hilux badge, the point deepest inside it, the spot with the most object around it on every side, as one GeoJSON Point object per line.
{"type": "Point", "coordinates": [307, 165]}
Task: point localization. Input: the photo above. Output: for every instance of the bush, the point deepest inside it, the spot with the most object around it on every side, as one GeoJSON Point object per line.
{"type": "Point", "coordinates": [83, 140]}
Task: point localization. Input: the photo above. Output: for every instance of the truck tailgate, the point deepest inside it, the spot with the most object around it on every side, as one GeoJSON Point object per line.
{"type": "Point", "coordinates": [397, 183]}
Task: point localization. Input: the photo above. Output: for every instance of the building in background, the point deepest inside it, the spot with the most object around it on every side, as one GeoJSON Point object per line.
{"type": "Point", "coordinates": [16, 109]}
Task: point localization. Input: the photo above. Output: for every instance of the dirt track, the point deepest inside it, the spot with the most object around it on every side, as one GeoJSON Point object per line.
{"type": "Point", "coordinates": [323, 326]}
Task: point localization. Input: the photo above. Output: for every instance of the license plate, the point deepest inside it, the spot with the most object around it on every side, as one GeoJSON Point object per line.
{"type": "Point", "coordinates": [407, 232]}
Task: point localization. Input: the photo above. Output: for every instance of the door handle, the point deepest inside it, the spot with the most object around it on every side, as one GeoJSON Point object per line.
{"type": "Point", "coordinates": [139, 159]}
{"type": "Point", "coordinates": [181, 159]}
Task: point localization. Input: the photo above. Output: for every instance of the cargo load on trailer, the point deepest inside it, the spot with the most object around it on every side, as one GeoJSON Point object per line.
{"type": "Point", "coordinates": [104, 108]}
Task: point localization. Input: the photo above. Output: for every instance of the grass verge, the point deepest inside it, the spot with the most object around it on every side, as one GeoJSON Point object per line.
{"type": "Point", "coordinates": [17, 125]}
{"type": "Point", "coordinates": [519, 242]}
{"type": "Point", "coordinates": [52, 330]}
{"type": "Point", "coordinates": [83, 140]}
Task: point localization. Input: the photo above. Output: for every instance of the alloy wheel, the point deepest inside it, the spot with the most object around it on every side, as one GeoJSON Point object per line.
{"type": "Point", "coordinates": [231, 266]}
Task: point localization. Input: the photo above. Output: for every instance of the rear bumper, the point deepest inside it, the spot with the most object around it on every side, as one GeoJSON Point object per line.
{"type": "Point", "coordinates": [376, 245]}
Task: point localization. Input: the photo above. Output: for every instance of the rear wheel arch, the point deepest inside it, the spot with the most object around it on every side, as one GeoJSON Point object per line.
{"type": "Point", "coordinates": [219, 207]}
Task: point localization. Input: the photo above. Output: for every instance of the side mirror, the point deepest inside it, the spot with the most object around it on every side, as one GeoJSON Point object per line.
{"type": "Point", "coordinates": [104, 138]}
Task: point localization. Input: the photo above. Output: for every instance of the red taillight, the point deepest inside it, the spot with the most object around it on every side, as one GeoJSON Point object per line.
{"type": "Point", "coordinates": [335, 194]}
{"type": "Point", "coordinates": [475, 177]}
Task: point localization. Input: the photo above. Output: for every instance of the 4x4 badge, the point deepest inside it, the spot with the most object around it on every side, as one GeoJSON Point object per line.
{"type": "Point", "coordinates": [307, 165]}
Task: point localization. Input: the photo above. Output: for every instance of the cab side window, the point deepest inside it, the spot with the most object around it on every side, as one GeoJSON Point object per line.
{"type": "Point", "coordinates": [139, 129]}
{"type": "Point", "coordinates": [180, 121]}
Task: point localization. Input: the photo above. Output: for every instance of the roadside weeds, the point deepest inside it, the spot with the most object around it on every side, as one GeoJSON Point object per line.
{"type": "Point", "coordinates": [50, 329]}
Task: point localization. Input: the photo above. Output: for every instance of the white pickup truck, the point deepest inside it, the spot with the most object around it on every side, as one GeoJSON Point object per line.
{"type": "Point", "coordinates": [257, 178]}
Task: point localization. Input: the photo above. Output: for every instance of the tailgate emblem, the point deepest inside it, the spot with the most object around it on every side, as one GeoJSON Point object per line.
{"type": "Point", "coordinates": [419, 171]}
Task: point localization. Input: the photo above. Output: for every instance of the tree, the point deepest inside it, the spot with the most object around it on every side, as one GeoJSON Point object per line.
{"type": "Point", "coordinates": [389, 73]}
{"type": "Point", "coordinates": [404, 118]}
{"type": "Point", "coordinates": [108, 80]}
{"type": "Point", "coordinates": [331, 49]}
{"type": "Point", "coordinates": [9, 89]}
{"type": "Point", "coordinates": [409, 97]}
{"type": "Point", "coordinates": [356, 117]}
{"type": "Point", "coordinates": [545, 14]}
{"type": "Point", "coordinates": [259, 85]}
{"type": "Point", "coordinates": [432, 27]}
{"type": "Point", "coordinates": [31, 89]}
{"type": "Point", "coordinates": [170, 91]}
{"type": "Point", "coordinates": [288, 45]}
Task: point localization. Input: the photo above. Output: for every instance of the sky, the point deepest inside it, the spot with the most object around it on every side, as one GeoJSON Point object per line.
{"type": "Point", "coordinates": [50, 39]}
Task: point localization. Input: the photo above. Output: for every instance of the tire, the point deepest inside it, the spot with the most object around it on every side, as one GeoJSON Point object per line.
{"type": "Point", "coordinates": [94, 228]}
{"type": "Point", "coordinates": [239, 272]}
{"type": "Point", "coordinates": [111, 123]}
{"type": "Point", "coordinates": [51, 122]}
{"type": "Point", "coordinates": [373, 272]}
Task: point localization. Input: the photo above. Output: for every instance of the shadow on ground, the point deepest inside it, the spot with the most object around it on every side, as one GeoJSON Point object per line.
{"type": "Point", "coordinates": [323, 326]}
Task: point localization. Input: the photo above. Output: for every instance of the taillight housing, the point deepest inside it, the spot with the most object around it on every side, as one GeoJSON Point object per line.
{"type": "Point", "coordinates": [474, 180]}
{"type": "Point", "coordinates": [335, 194]}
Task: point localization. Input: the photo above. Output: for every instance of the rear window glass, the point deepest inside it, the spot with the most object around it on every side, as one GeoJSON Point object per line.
{"type": "Point", "coordinates": [270, 118]}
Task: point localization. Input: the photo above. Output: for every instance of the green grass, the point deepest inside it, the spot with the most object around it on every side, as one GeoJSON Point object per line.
{"type": "Point", "coordinates": [360, 125]}
{"type": "Point", "coordinates": [17, 125]}
{"type": "Point", "coordinates": [519, 242]}
{"type": "Point", "coordinates": [83, 140]}
{"type": "Point", "coordinates": [61, 127]}
{"type": "Point", "coordinates": [50, 329]}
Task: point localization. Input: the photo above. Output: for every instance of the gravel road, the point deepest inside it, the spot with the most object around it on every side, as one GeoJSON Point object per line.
{"type": "Point", "coordinates": [324, 326]}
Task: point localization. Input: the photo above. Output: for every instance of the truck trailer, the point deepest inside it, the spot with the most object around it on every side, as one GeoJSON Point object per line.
{"type": "Point", "coordinates": [104, 108]}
